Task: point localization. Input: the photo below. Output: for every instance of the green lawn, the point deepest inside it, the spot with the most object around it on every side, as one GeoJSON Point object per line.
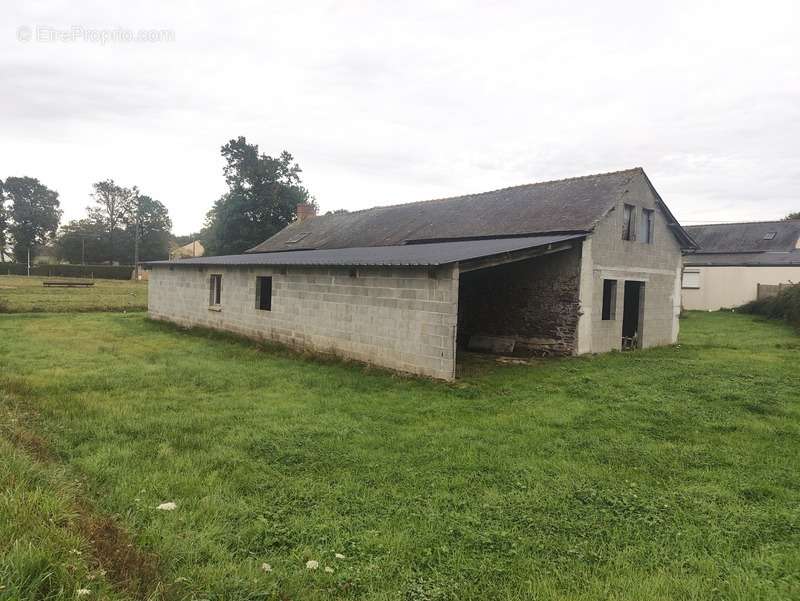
{"type": "Point", "coordinates": [21, 294]}
{"type": "Point", "coordinates": [665, 474]}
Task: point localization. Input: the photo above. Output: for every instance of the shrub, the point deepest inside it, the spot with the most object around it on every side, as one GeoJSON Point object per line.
{"type": "Point", "coordinates": [784, 305]}
{"type": "Point", "coordinates": [103, 272]}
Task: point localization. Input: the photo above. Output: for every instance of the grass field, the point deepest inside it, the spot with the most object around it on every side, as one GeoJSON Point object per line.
{"type": "Point", "coordinates": [21, 294]}
{"type": "Point", "coordinates": [664, 474]}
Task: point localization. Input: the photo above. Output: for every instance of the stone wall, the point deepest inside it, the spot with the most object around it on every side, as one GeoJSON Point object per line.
{"type": "Point", "coordinates": [402, 319]}
{"type": "Point", "coordinates": [535, 302]}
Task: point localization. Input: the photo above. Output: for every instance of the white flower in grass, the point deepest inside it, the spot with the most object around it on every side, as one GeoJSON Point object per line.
{"type": "Point", "coordinates": [329, 569]}
{"type": "Point", "coordinates": [82, 592]}
{"type": "Point", "coordinates": [167, 506]}
{"type": "Point", "coordinates": [312, 564]}
{"type": "Point", "coordinates": [339, 556]}
{"type": "Point", "coordinates": [266, 567]}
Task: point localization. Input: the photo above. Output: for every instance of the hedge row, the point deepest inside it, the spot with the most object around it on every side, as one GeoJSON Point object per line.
{"type": "Point", "coordinates": [103, 272]}
{"type": "Point", "coordinates": [785, 305]}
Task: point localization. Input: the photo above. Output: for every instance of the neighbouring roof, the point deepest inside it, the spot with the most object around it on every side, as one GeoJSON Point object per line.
{"type": "Point", "coordinates": [564, 206]}
{"type": "Point", "coordinates": [760, 243]}
{"type": "Point", "coordinates": [763, 259]}
{"type": "Point", "coordinates": [747, 237]}
{"type": "Point", "coordinates": [193, 249]}
{"type": "Point", "coordinates": [409, 255]}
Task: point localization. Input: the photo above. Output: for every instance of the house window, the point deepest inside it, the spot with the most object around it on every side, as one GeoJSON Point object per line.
{"type": "Point", "coordinates": [609, 300]}
{"type": "Point", "coordinates": [691, 279]}
{"type": "Point", "coordinates": [215, 289]}
{"type": "Point", "coordinates": [646, 227]}
{"type": "Point", "coordinates": [264, 293]}
{"type": "Point", "coordinates": [628, 221]}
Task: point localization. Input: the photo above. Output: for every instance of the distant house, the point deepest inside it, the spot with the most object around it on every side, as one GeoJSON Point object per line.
{"type": "Point", "coordinates": [735, 259]}
{"type": "Point", "coordinates": [187, 251]}
{"type": "Point", "coordinates": [582, 265]}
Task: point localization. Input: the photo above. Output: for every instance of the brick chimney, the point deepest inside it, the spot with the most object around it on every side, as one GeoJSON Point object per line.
{"type": "Point", "coordinates": [305, 211]}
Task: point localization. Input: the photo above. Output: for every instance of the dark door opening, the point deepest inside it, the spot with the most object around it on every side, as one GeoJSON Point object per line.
{"type": "Point", "coordinates": [632, 315]}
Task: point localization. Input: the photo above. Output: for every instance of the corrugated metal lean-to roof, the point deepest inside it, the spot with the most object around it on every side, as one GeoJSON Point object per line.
{"type": "Point", "coordinates": [407, 255]}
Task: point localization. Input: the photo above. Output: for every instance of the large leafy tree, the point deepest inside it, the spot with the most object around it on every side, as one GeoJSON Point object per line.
{"type": "Point", "coordinates": [791, 216]}
{"type": "Point", "coordinates": [262, 198]}
{"type": "Point", "coordinates": [109, 233]}
{"type": "Point", "coordinates": [110, 211]}
{"type": "Point", "coordinates": [34, 214]}
{"type": "Point", "coordinates": [149, 219]}
{"type": "Point", "coordinates": [83, 241]}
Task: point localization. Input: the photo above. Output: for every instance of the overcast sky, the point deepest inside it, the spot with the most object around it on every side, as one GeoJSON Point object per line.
{"type": "Point", "coordinates": [389, 102]}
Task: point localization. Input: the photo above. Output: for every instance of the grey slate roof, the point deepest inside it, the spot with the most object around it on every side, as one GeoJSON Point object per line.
{"type": "Point", "coordinates": [745, 244]}
{"type": "Point", "coordinates": [423, 255]}
{"type": "Point", "coordinates": [746, 237]}
{"type": "Point", "coordinates": [563, 206]}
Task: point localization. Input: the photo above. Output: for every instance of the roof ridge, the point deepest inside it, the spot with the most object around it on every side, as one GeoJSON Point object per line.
{"type": "Point", "coordinates": [529, 185]}
{"type": "Point", "coordinates": [744, 222]}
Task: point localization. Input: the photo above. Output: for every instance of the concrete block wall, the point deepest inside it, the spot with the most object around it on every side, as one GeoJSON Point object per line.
{"type": "Point", "coordinates": [607, 256]}
{"type": "Point", "coordinates": [399, 318]}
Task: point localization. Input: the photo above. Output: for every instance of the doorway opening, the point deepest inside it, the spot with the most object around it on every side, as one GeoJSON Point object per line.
{"type": "Point", "coordinates": [632, 315]}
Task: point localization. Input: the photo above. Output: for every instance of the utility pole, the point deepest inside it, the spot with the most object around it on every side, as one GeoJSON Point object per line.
{"type": "Point", "coordinates": [136, 218]}
{"type": "Point", "coordinates": [29, 261]}
{"type": "Point", "coordinates": [136, 248]}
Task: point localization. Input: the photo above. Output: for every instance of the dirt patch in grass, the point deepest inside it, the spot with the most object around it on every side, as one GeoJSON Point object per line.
{"type": "Point", "coordinates": [129, 568]}
{"type": "Point", "coordinates": [33, 444]}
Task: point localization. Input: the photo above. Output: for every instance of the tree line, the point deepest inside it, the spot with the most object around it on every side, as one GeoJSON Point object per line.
{"type": "Point", "coordinates": [262, 198]}
{"type": "Point", "coordinates": [120, 226]}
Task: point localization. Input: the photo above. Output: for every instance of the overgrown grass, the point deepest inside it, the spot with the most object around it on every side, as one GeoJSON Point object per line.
{"type": "Point", "coordinates": [43, 553]}
{"type": "Point", "coordinates": [664, 474]}
{"type": "Point", "coordinates": [22, 294]}
{"type": "Point", "coordinates": [784, 305]}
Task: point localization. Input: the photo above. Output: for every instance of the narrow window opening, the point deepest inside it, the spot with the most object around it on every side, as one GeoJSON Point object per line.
{"type": "Point", "coordinates": [628, 218]}
{"type": "Point", "coordinates": [215, 289]}
{"type": "Point", "coordinates": [646, 227]}
{"type": "Point", "coordinates": [264, 293]}
{"type": "Point", "coordinates": [609, 300]}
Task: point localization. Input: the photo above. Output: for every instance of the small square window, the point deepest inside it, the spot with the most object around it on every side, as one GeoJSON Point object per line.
{"type": "Point", "coordinates": [609, 300]}
{"type": "Point", "coordinates": [264, 293]}
{"type": "Point", "coordinates": [628, 222]}
{"type": "Point", "coordinates": [215, 290]}
{"type": "Point", "coordinates": [691, 279]}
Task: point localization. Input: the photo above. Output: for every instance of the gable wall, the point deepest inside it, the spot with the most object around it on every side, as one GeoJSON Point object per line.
{"type": "Point", "coordinates": [402, 319]}
{"type": "Point", "coordinates": [607, 256]}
